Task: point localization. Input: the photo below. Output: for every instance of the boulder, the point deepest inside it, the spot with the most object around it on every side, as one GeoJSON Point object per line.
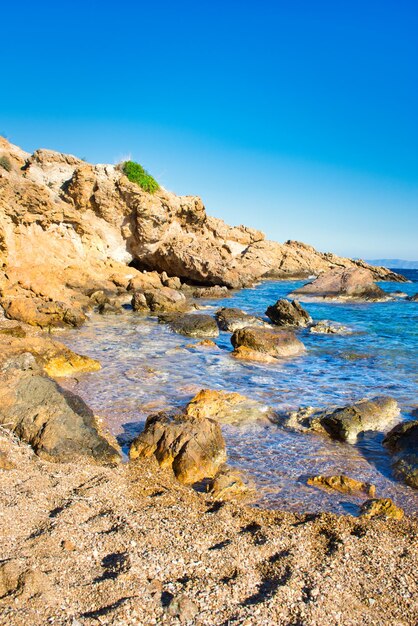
{"type": "Point", "coordinates": [344, 423]}
{"type": "Point", "coordinates": [353, 283]}
{"type": "Point", "coordinates": [58, 425]}
{"type": "Point", "coordinates": [402, 441]}
{"type": "Point", "coordinates": [164, 300]}
{"type": "Point", "coordinates": [242, 353]}
{"type": "Point", "coordinates": [209, 293]}
{"type": "Point", "coordinates": [286, 313]}
{"type": "Point", "coordinates": [226, 407]}
{"type": "Point", "coordinates": [195, 325]}
{"type": "Point", "coordinates": [38, 312]}
{"type": "Point", "coordinates": [343, 484]}
{"type": "Point", "coordinates": [381, 508]}
{"type": "Point", "coordinates": [193, 447]}
{"type": "Point", "coordinates": [271, 341]}
{"type": "Point", "coordinates": [231, 319]}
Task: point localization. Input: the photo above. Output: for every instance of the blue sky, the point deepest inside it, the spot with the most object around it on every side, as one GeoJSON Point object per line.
{"type": "Point", "coordinates": [299, 118]}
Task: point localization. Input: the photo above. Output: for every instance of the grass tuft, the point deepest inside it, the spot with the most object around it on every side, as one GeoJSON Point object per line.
{"type": "Point", "coordinates": [136, 174]}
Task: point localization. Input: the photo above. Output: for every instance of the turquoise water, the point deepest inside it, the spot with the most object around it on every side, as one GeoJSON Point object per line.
{"type": "Point", "coordinates": [146, 368]}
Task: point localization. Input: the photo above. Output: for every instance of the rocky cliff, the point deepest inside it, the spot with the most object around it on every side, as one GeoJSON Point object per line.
{"type": "Point", "coordinates": [68, 228]}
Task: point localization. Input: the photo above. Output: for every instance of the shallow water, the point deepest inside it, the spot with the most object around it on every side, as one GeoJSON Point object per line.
{"type": "Point", "coordinates": [146, 368]}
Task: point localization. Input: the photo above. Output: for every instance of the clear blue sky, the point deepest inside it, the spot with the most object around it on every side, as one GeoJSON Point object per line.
{"type": "Point", "coordinates": [296, 117]}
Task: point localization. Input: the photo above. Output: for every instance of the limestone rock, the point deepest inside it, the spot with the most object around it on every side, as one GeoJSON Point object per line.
{"type": "Point", "coordinates": [413, 298]}
{"type": "Point", "coordinates": [194, 448]}
{"type": "Point", "coordinates": [286, 313]}
{"type": "Point", "coordinates": [271, 341]}
{"type": "Point", "coordinates": [69, 363]}
{"type": "Point", "coordinates": [57, 424]}
{"type": "Point", "coordinates": [164, 300]}
{"type": "Point", "coordinates": [242, 353]}
{"type": "Point", "coordinates": [381, 508]}
{"type": "Point", "coordinates": [343, 284]}
{"type": "Point", "coordinates": [231, 319]}
{"type": "Point", "coordinates": [226, 407]}
{"type": "Point", "coordinates": [195, 325]}
{"type": "Point", "coordinates": [342, 483]}
{"type": "Point", "coordinates": [326, 327]}
{"type": "Point", "coordinates": [229, 484]}
{"type": "Point", "coordinates": [402, 441]}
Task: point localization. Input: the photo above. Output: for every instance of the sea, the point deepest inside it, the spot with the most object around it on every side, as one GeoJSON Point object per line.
{"type": "Point", "coordinates": [147, 368]}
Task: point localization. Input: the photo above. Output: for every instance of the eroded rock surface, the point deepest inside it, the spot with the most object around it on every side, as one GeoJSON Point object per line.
{"type": "Point", "coordinates": [381, 508]}
{"type": "Point", "coordinates": [193, 447]}
{"type": "Point", "coordinates": [226, 407]}
{"type": "Point", "coordinates": [232, 319]}
{"type": "Point", "coordinates": [194, 325]}
{"type": "Point", "coordinates": [343, 484]}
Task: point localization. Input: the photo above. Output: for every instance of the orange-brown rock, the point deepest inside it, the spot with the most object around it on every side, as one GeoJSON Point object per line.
{"type": "Point", "coordinates": [342, 483]}
{"type": "Point", "coordinates": [193, 447]}
{"type": "Point", "coordinates": [271, 341]}
{"type": "Point", "coordinates": [381, 508]}
{"type": "Point", "coordinates": [229, 484]}
{"type": "Point", "coordinates": [226, 407]}
{"type": "Point", "coordinates": [242, 353]}
{"type": "Point", "coordinates": [352, 283]}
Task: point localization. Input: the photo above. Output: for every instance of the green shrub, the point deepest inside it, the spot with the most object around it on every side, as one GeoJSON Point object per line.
{"type": "Point", "coordinates": [5, 163]}
{"type": "Point", "coordinates": [136, 174]}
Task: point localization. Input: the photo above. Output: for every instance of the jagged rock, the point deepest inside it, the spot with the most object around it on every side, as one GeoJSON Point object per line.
{"type": "Point", "coordinates": [37, 312]}
{"type": "Point", "coordinates": [69, 363]}
{"type": "Point", "coordinates": [57, 424]}
{"type": "Point", "coordinates": [343, 284]}
{"type": "Point", "coordinates": [231, 319]}
{"type": "Point", "coordinates": [213, 292]}
{"type": "Point", "coordinates": [13, 331]}
{"type": "Point", "coordinates": [342, 483]}
{"type": "Point", "coordinates": [286, 313]}
{"type": "Point", "coordinates": [344, 423]}
{"type": "Point", "coordinates": [276, 343]}
{"type": "Point", "coordinates": [226, 407]}
{"type": "Point", "coordinates": [326, 327]}
{"type": "Point", "coordinates": [402, 441]}
{"type": "Point", "coordinates": [193, 447]}
{"type": "Point", "coordinates": [413, 298]}
{"type": "Point", "coordinates": [229, 484]}
{"type": "Point", "coordinates": [195, 325]}
{"type": "Point", "coordinates": [381, 508]}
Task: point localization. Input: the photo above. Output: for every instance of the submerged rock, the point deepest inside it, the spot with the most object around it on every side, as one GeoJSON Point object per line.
{"type": "Point", "coordinates": [271, 341]}
{"type": "Point", "coordinates": [381, 508]}
{"type": "Point", "coordinates": [402, 441]}
{"type": "Point", "coordinates": [343, 284]}
{"type": "Point", "coordinates": [342, 483]}
{"type": "Point", "coordinates": [195, 325]}
{"type": "Point", "coordinates": [57, 424]}
{"type": "Point", "coordinates": [242, 353]}
{"type": "Point", "coordinates": [193, 447]}
{"type": "Point", "coordinates": [232, 319]}
{"type": "Point", "coordinates": [226, 407]}
{"type": "Point", "coordinates": [286, 313]}
{"type": "Point", "coordinates": [326, 327]}
{"type": "Point", "coordinates": [413, 298]}
{"type": "Point", "coordinates": [344, 423]}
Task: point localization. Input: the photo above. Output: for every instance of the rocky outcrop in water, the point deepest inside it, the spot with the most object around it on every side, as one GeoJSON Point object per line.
{"type": "Point", "coordinates": [343, 484]}
{"type": "Point", "coordinates": [232, 319]}
{"type": "Point", "coordinates": [226, 407]}
{"type": "Point", "coordinates": [69, 228]}
{"type": "Point", "coordinates": [194, 325]}
{"type": "Point", "coordinates": [343, 284]}
{"type": "Point", "coordinates": [402, 441]}
{"type": "Point", "coordinates": [381, 508]}
{"type": "Point", "coordinates": [286, 313]}
{"type": "Point", "coordinates": [273, 342]}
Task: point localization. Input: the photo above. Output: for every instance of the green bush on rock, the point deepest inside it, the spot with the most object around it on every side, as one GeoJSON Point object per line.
{"type": "Point", "coordinates": [136, 174]}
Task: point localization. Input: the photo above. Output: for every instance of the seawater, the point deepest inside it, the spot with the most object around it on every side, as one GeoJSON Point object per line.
{"type": "Point", "coordinates": [147, 368]}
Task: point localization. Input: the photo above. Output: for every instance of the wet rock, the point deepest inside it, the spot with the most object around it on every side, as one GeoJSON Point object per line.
{"type": "Point", "coordinates": [195, 325]}
{"type": "Point", "coordinates": [271, 341]}
{"type": "Point", "coordinates": [413, 298]}
{"type": "Point", "coordinates": [402, 441]}
{"type": "Point", "coordinates": [226, 407]}
{"type": "Point", "coordinates": [229, 484]}
{"type": "Point", "coordinates": [204, 343]}
{"type": "Point", "coordinates": [344, 423]}
{"type": "Point", "coordinates": [242, 353]}
{"type": "Point", "coordinates": [326, 327]}
{"type": "Point", "coordinates": [110, 308]}
{"type": "Point", "coordinates": [231, 319]}
{"type": "Point", "coordinates": [159, 301]}
{"type": "Point", "coordinates": [214, 291]}
{"type": "Point", "coordinates": [347, 422]}
{"type": "Point", "coordinates": [68, 364]}
{"type": "Point", "coordinates": [353, 283]}
{"type": "Point", "coordinates": [343, 484]}
{"type": "Point", "coordinates": [286, 313]}
{"type": "Point", "coordinates": [381, 508]}
{"type": "Point", "coordinates": [58, 425]}
{"type": "Point", "coordinates": [182, 608]}
{"type": "Point", "coordinates": [193, 447]}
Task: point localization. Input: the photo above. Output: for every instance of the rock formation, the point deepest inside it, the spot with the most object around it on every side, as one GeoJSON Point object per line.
{"type": "Point", "coordinates": [69, 228]}
{"type": "Point", "coordinates": [270, 341]}
{"type": "Point", "coordinates": [353, 283]}
{"type": "Point", "coordinates": [286, 313]}
{"type": "Point", "coordinates": [402, 441]}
